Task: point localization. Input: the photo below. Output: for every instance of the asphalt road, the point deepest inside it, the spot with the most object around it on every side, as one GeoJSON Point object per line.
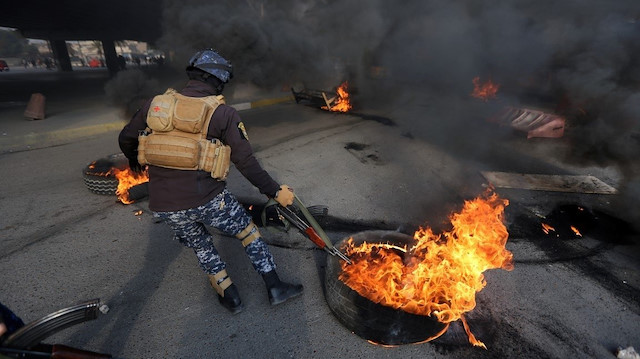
{"type": "Point", "coordinates": [567, 296]}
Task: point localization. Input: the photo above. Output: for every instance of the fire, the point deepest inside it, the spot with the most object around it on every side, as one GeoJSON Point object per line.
{"type": "Point", "coordinates": [340, 103]}
{"type": "Point", "coordinates": [441, 273]}
{"type": "Point", "coordinates": [127, 179]}
{"type": "Point", "coordinates": [576, 231]}
{"type": "Point", "coordinates": [547, 228]}
{"type": "Point", "coordinates": [484, 91]}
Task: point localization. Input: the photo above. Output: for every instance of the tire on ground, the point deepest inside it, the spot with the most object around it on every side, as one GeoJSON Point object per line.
{"type": "Point", "coordinates": [369, 320]}
{"type": "Point", "coordinates": [97, 177]}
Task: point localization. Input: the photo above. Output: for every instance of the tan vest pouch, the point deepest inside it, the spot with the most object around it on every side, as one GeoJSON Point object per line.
{"type": "Point", "coordinates": [159, 117]}
{"type": "Point", "coordinates": [190, 113]}
{"type": "Point", "coordinates": [142, 150]}
{"type": "Point", "coordinates": [221, 168]}
{"type": "Point", "coordinates": [169, 151]}
{"type": "Point", "coordinates": [216, 159]}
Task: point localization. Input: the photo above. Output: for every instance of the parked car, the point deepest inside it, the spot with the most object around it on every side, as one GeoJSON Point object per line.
{"type": "Point", "coordinates": [3, 66]}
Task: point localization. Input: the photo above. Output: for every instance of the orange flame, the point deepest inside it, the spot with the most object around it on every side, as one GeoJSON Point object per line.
{"type": "Point", "coordinates": [440, 274]}
{"type": "Point", "coordinates": [547, 228]}
{"type": "Point", "coordinates": [127, 179]}
{"type": "Point", "coordinates": [341, 103]}
{"type": "Point", "coordinates": [576, 231]}
{"type": "Point", "coordinates": [484, 91]}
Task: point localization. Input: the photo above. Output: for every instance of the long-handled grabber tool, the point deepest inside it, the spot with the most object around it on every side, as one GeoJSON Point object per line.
{"type": "Point", "coordinates": [310, 228]}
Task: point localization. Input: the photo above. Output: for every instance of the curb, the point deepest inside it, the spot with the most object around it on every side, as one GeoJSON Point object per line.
{"type": "Point", "coordinates": [261, 103]}
{"type": "Point", "coordinates": [57, 137]}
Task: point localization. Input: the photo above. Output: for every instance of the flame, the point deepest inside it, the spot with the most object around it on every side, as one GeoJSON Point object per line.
{"type": "Point", "coordinates": [440, 274]}
{"type": "Point", "coordinates": [484, 91]}
{"type": "Point", "coordinates": [576, 231]}
{"type": "Point", "coordinates": [127, 179]}
{"type": "Point", "coordinates": [341, 103]}
{"type": "Point", "coordinates": [382, 345]}
{"type": "Point", "coordinates": [547, 228]}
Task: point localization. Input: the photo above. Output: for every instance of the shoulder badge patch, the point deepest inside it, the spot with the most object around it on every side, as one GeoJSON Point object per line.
{"type": "Point", "coordinates": [243, 131]}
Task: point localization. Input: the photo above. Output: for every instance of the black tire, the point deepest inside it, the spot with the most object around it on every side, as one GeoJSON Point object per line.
{"type": "Point", "coordinates": [369, 320]}
{"type": "Point", "coordinates": [96, 176]}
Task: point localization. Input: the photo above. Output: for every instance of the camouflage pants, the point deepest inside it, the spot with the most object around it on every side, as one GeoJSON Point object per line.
{"type": "Point", "coordinates": [226, 214]}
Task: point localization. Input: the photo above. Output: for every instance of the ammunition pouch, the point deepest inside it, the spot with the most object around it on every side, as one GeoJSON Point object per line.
{"type": "Point", "coordinates": [216, 159]}
{"type": "Point", "coordinates": [177, 135]}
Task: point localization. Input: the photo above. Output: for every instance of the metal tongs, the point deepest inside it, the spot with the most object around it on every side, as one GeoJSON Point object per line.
{"type": "Point", "coordinates": [310, 227]}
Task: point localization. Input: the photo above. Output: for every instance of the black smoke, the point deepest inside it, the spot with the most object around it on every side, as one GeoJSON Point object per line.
{"type": "Point", "coordinates": [580, 59]}
{"type": "Point", "coordinates": [129, 89]}
{"type": "Point", "coordinates": [583, 52]}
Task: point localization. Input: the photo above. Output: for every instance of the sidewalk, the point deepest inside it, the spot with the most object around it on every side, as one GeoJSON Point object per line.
{"type": "Point", "coordinates": [66, 122]}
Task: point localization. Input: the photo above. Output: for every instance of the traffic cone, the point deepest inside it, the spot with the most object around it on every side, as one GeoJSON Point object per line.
{"type": "Point", "coordinates": [35, 107]}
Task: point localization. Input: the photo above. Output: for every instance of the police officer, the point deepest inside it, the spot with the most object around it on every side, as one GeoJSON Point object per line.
{"type": "Point", "coordinates": [189, 200]}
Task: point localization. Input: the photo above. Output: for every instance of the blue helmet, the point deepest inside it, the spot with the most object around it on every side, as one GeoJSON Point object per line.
{"type": "Point", "coordinates": [212, 63]}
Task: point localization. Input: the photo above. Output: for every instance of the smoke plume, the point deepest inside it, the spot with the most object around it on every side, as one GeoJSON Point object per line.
{"type": "Point", "coordinates": [579, 58]}
{"type": "Point", "coordinates": [129, 89]}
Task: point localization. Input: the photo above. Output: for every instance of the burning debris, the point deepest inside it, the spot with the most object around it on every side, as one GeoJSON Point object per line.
{"type": "Point", "coordinates": [439, 274]}
{"type": "Point", "coordinates": [128, 179]}
{"type": "Point", "coordinates": [535, 123]}
{"type": "Point", "coordinates": [341, 102]}
{"type": "Point", "coordinates": [112, 175]}
{"type": "Point", "coordinates": [484, 91]}
{"type": "Point", "coordinates": [570, 221]}
{"type": "Point", "coordinates": [547, 228]}
{"type": "Point", "coordinates": [576, 231]}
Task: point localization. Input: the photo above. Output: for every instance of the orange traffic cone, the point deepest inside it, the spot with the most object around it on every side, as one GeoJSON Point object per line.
{"type": "Point", "coordinates": [35, 107]}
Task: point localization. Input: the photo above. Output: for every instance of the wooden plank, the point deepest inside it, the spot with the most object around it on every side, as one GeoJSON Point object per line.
{"type": "Point", "coordinates": [555, 183]}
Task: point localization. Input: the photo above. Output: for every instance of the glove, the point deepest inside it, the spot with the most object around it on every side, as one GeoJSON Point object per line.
{"type": "Point", "coordinates": [284, 196]}
{"type": "Point", "coordinates": [135, 166]}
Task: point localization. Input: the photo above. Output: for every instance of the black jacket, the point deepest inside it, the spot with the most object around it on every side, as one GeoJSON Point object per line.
{"type": "Point", "coordinates": [173, 190]}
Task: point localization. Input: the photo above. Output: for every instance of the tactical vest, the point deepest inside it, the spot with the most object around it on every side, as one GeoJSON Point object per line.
{"type": "Point", "coordinates": [176, 136]}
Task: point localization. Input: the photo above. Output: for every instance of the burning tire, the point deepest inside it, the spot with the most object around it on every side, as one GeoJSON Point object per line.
{"type": "Point", "coordinates": [369, 320]}
{"type": "Point", "coordinates": [98, 176]}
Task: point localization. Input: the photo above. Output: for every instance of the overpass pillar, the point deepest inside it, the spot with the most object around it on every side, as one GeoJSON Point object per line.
{"type": "Point", "coordinates": [59, 48]}
{"type": "Point", "coordinates": [110, 56]}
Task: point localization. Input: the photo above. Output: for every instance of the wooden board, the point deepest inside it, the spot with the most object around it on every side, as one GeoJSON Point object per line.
{"type": "Point", "coordinates": [556, 183]}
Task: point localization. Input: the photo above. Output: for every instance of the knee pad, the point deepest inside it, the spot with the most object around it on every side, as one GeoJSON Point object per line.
{"type": "Point", "coordinates": [249, 234]}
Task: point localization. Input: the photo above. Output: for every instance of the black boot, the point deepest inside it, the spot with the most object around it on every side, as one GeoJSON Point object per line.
{"type": "Point", "coordinates": [279, 291]}
{"type": "Point", "coordinates": [231, 299]}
